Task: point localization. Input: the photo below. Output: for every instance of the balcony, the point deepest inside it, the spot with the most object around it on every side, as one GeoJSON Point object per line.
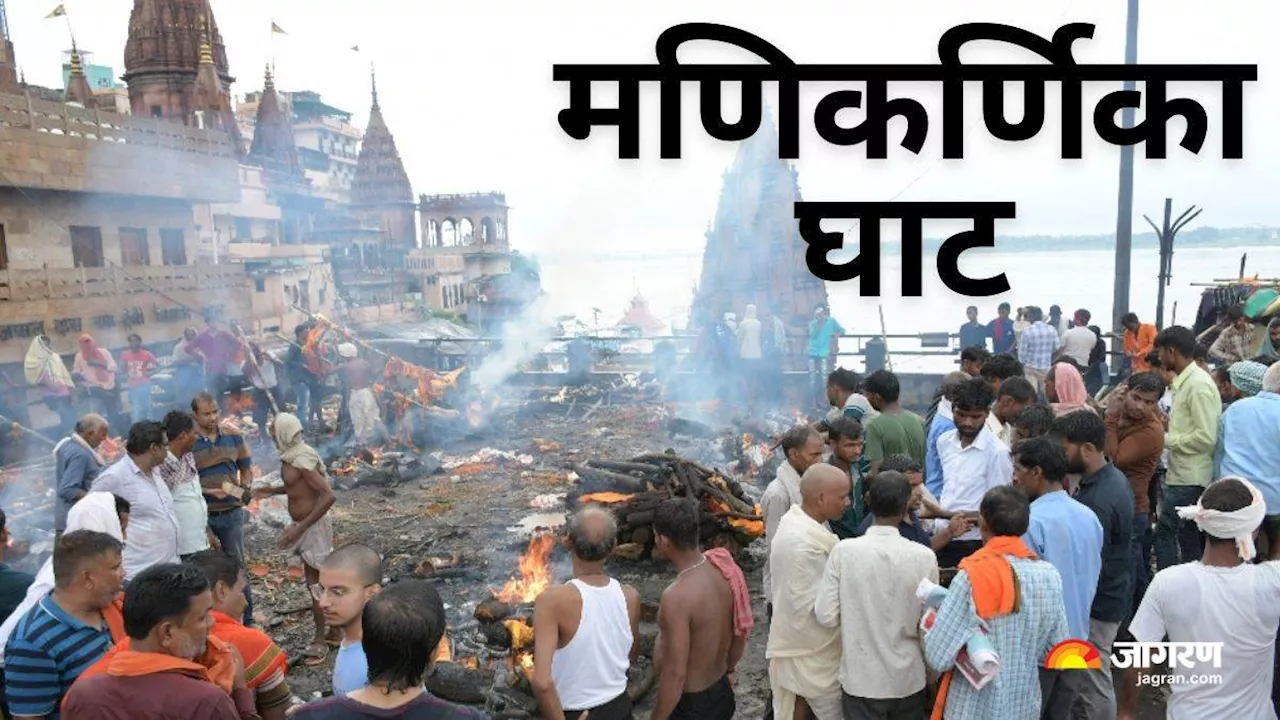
{"type": "Point", "coordinates": [63, 283]}
{"type": "Point", "coordinates": [55, 146]}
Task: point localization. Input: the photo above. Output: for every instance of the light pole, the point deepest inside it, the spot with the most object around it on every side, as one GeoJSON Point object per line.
{"type": "Point", "coordinates": [1124, 203]}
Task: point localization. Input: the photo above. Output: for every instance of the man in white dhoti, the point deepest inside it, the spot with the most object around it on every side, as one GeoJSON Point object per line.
{"type": "Point", "coordinates": [804, 656]}
{"type": "Point", "coordinates": [357, 374]}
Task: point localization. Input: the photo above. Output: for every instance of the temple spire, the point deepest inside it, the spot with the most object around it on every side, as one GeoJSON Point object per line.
{"type": "Point", "coordinates": [78, 89]}
{"type": "Point", "coordinates": [274, 148]}
{"type": "Point", "coordinates": [373, 84]}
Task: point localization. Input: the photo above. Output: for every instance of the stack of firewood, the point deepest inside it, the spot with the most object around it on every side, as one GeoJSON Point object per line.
{"type": "Point", "coordinates": [633, 490]}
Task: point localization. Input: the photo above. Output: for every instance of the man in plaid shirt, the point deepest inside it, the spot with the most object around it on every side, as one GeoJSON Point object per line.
{"type": "Point", "coordinates": [1036, 348]}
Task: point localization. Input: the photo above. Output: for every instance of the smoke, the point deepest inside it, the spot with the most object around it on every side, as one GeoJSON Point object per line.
{"type": "Point", "coordinates": [522, 339]}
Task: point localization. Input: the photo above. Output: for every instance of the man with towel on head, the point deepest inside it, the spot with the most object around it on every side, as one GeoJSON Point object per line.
{"type": "Point", "coordinates": [357, 376]}
{"type": "Point", "coordinates": [804, 656]}
{"type": "Point", "coordinates": [310, 537]}
{"type": "Point", "coordinates": [1225, 598]}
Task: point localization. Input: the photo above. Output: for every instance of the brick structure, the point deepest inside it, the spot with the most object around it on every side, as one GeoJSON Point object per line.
{"type": "Point", "coordinates": [96, 226]}
{"type": "Point", "coordinates": [381, 195]}
{"type": "Point", "coordinates": [754, 254]}
{"type": "Point", "coordinates": [8, 63]}
{"type": "Point", "coordinates": [168, 42]}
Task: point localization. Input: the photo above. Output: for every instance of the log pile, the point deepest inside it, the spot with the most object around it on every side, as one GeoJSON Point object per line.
{"type": "Point", "coordinates": [634, 488]}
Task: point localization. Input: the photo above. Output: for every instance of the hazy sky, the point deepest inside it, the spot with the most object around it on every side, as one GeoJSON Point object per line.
{"type": "Point", "coordinates": [466, 88]}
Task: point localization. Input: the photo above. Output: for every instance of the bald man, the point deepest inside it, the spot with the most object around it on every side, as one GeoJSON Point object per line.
{"type": "Point", "coordinates": [804, 656]}
{"type": "Point", "coordinates": [586, 631]}
{"type": "Point", "coordinates": [349, 578]}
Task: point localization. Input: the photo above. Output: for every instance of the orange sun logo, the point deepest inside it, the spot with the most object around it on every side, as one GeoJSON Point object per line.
{"type": "Point", "coordinates": [1073, 655]}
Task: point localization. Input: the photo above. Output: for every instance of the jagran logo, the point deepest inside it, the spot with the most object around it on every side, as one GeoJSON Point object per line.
{"type": "Point", "coordinates": [1080, 655]}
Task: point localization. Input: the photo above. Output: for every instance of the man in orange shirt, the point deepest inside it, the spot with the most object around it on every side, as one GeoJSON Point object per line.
{"type": "Point", "coordinates": [1139, 339]}
{"type": "Point", "coordinates": [264, 661]}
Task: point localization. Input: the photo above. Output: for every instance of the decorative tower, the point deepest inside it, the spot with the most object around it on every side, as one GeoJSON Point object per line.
{"type": "Point", "coordinates": [274, 149]}
{"type": "Point", "coordinates": [754, 254]}
{"type": "Point", "coordinates": [381, 194]}
{"type": "Point", "coordinates": [8, 63]}
{"type": "Point", "coordinates": [78, 89]}
{"type": "Point", "coordinates": [162, 56]}
{"type": "Point", "coordinates": [207, 95]}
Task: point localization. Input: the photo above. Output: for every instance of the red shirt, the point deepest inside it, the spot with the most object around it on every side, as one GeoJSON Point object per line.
{"type": "Point", "coordinates": [138, 365]}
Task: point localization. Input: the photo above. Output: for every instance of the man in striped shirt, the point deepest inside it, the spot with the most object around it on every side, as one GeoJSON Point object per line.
{"type": "Point", "coordinates": [226, 473]}
{"type": "Point", "coordinates": [66, 631]}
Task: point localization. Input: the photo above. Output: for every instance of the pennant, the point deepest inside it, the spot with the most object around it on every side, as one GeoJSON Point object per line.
{"type": "Point", "coordinates": [355, 48]}
{"type": "Point", "coordinates": [57, 12]}
{"type": "Point", "coordinates": [277, 29]}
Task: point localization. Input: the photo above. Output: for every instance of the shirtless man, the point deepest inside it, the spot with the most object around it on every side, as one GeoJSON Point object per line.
{"type": "Point", "coordinates": [357, 377]}
{"type": "Point", "coordinates": [587, 631]}
{"type": "Point", "coordinates": [697, 650]}
{"type": "Point", "coordinates": [310, 537]}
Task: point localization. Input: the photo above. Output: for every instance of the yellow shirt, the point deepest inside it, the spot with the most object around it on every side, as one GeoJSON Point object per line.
{"type": "Point", "coordinates": [1193, 428]}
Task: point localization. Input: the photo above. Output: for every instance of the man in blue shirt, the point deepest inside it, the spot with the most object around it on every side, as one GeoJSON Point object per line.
{"type": "Point", "coordinates": [65, 632]}
{"type": "Point", "coordinates": [973, 333]}
{"type": "Point", "coordinates": [77, 464]}
{"type": "Point", "coordinates": [823, 330]}
{"type": "Point", "coordinates": [1068, 535]}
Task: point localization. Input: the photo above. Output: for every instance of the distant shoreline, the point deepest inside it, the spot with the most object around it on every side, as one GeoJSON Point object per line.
{"type": "Point", "coordinates": [1205, 237]}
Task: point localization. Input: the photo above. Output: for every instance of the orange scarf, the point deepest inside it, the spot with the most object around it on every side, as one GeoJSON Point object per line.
{"type": "Point", "coordinates": [262, 657]}
{"type": "Point", "coordinates": [216, 664]}
{"type": "Point", "coordinates": [114, 615]}
{"type": "Point", "coordinates": [994, 588]}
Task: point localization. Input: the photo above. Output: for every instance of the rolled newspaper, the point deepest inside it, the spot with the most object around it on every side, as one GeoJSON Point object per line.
{"type": "Point", "coordinates": [978, 660]}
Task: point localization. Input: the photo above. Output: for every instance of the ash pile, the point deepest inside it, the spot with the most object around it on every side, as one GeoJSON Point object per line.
{"type": "Point", "coordinates": [582, 400]}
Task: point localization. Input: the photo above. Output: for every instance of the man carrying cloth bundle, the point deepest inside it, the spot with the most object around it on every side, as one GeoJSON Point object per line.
{"type": "Point", "coordinates": [310, 537]}
{"type": "Point", "coordinates": [1225, 598]}
{"type": "Point", "coordinates": [1004, 587]}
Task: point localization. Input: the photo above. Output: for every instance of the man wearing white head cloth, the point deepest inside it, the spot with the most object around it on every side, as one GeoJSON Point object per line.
{"type": "Point", "coordinates": [357, 375]}
{"type": "Point", "coordinates": [1225, 604]}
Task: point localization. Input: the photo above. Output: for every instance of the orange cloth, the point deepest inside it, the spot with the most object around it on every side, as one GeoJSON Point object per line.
{"type": "Point", "coordinates": [994, 588]}
{"type": "Point", "coordinates": [216, 664]}
{"type": "Point", "coordinates": [1136, 346]}
{"type": "Point", "coordinates": [114, 615]}
{"type": "Point", "coordinates": [262, 657]}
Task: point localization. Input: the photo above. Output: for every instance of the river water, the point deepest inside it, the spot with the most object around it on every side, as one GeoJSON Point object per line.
{"type": "Point", "coordinates": [1080, 279]}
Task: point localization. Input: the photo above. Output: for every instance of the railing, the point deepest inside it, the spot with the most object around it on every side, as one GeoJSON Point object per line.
{"type": "Point", "coordinates": [473, 198]}
{"type": "Point", "coordinates": [28, 113]}
{"type": "Point", "coordinates": [56, 283]}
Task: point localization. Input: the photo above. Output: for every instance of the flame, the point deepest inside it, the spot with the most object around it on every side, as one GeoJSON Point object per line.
{"type": "Point", "coordinates": [470, 663]}
{"type": "Point", "coordinates": [525, 661]}
{"type": "Point", "coordinates": [605, 498]}
{"type": "Point", "coordinates": [475, 414]}
{"type": "Point", "coordinates": [444, 650]}
{"type": "Point", "coordinates": [535, 572]}
{"type": "Point", "coordinates": [748, 527]}
{"type": "Point", "coordinates": [111, 449]}
{"type": "Point", "coordinates": [239, 404]}
{"type": "Point", "coordinates": [521, 634]}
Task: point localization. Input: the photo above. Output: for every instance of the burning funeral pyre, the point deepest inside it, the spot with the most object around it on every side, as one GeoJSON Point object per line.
{"type": "Point", "coordinates": [633, 489]}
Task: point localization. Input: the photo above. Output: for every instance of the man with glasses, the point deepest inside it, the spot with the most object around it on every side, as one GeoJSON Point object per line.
{"type": "Point", "coordinates": [153, 524]}
{"type": "Point", "coordinates": [349, 578]}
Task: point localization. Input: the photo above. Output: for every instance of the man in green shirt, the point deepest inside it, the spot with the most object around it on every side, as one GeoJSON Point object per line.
{"type": "Point", "coordinates": [845, 438]}
{"type": "Point", "coordinates": [1191, 437]}
{"type": "Point", "coordinates": [894, 430]}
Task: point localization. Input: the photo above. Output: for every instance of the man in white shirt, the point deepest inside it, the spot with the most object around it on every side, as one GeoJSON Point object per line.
{"type": "Point", "coordinates": [153, 527]}
{"type": "Point", "coordinates": [973, 461]}
{"type": "Point", "coordinates": [804, 656]}
{"type": "Point", "coordinates": [1224, 598]}
{"type": "Point", "coordinates": [179, 473]}
{"type": "Point", "coordinates": [868, 591]}
{"type": "Point", "coordinates": [1077, 343]}
{"type": "Point", "coordinates": [802, 447]}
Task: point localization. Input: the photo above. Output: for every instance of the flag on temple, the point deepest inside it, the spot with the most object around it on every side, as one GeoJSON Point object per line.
{"type": "Point", "coordinates": [57, 12]}
{"type": "Point", "coordinates": [277, 29]}
{"type": "Point", "coordinates": [355, 48]}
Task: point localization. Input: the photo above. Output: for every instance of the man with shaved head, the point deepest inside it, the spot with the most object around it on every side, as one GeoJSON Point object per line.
{"type": "Point", "coordinates": [349, 578]}
{"type": "Point", "coordinates": [804, 656]}
{"type": "Point", "coordinates": [586, 631]}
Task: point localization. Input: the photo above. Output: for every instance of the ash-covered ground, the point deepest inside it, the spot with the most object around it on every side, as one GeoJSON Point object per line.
{"type": "Point", "coordinates": [467, 521]}
{"type": "Point", "coordinates": [471, 517]}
